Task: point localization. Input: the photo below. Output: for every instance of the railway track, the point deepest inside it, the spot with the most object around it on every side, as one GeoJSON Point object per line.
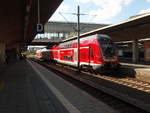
{"type": "Point", "coordinates": [92, 81]}
{"type": "Point", "coordinates": [129, 82]}
{"type": "Point", "coordinates": [126, 81]}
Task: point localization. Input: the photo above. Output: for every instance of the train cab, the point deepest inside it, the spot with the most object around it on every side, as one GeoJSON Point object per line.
{"type": "Point", "coordinates": [107, 54]}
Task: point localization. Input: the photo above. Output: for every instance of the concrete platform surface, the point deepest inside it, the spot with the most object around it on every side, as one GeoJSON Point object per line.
{"type": "Point", "coordinates": [27, 87]}
{"type": "Point", "coordinates": [140, 71]}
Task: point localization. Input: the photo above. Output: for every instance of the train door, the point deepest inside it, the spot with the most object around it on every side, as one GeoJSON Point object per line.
{"type": "Point", "coordinates": [91, 55]}
{"type": "Point", "coordinates": [84, 56]}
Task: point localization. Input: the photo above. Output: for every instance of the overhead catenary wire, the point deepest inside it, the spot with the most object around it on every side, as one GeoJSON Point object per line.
{"type": "Point", "coordinates": [67, 21]}
{"type": "Point", "coordinates": [75, 29]}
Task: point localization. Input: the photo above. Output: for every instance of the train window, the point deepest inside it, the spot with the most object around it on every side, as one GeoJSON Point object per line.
{"type": "Point", "coordinates": [71, 45]}
{"type": "Point", "coordinates": [74, 44]}
{"type": "Point", "coordinates": [91, 52]}
{"type": "Point", "coordinates": [68, 57]}
{"type": "Point", "coordinates": [105, 40]}
{"type": "Point", "coordinates": [107, 46]}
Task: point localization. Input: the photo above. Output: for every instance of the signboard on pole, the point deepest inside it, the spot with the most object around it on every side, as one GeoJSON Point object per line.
{"type": "Point", "coordinates": [40, 28]}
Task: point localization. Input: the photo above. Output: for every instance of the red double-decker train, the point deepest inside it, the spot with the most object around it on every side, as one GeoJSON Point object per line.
{"type": "Point", "coordinates": [97, 52]}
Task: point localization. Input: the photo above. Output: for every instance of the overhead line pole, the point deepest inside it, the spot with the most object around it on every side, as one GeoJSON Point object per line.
{"type": "Point", "coordinates": [78, 34]}
{"type": "Point", "coordinates": [78, 37]}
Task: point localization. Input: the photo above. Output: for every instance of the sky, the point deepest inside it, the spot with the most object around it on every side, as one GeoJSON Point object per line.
{"type": "Point", "coordinates": [100, 11]}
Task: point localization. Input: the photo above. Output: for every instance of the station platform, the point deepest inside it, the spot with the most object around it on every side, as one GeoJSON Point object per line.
{"type": "Point", "coordinates": [27, 87]}
{"type": "Point", "coordinates": [141, 71]}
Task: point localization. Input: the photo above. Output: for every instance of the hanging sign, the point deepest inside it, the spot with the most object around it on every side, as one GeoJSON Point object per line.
{"type": "Point", "coordinates": [40, 28]}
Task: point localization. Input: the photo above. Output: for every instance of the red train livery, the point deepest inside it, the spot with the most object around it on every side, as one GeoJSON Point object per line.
{"type": "Point", "coordinates": [43, 54]}
{"type": "Point", "coordinates": [97, 52]}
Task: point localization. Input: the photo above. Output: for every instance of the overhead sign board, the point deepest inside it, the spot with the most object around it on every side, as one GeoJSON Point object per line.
{"type": "Point", "coordinates": [40, 28]}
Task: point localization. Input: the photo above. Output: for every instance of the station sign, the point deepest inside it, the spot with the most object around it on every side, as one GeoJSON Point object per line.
{"type": "Point", "coordinates": [40, 28]}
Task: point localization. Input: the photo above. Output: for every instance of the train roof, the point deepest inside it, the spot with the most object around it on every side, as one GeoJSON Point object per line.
{"type": "Point", "coordinates": [103, 35]}
{"type": "Point", "coordinates": [74, 38]}
{"type": "Point", "coordinates": [96, 35]}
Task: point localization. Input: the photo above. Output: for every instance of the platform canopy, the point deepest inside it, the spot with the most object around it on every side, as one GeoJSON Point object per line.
{"type": "Point", "coordinates": [19, 18]}
{"type": "Point", "coordinates": [137, 27]}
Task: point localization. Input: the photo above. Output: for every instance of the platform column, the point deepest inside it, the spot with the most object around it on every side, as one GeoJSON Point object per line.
{"type": "Point", "coordinates": [64, 35]}
{"type": "Point", "coordinates": [18, 51]}
{"type": "Point", "coordinates": [58, 36]}
{"type": "Point", "coordinates": [2, 53]}
{"type": "Point", "coordinates": [135, 51]}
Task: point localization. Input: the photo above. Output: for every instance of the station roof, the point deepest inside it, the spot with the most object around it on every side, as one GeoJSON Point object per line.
{"type": "Point", "coordinates": [44, 42]}
{"type": "Point", "coordinates": [19, 17]}
{"type": "Point", "coordinates": [68, 27]}
{"type": "Point", "coordinates": [134, 28]}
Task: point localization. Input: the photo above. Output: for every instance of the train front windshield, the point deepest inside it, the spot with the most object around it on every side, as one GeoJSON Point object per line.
{"type": "Point", "coordinates": [107, 47]}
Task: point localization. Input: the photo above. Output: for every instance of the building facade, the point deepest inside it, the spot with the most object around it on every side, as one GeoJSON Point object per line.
{"type": "Point", "coordinates": [57, 31]}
